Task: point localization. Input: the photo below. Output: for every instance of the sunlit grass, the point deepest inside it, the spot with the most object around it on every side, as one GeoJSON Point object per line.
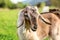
{"type": "Point", "coordinates": [8, 29]}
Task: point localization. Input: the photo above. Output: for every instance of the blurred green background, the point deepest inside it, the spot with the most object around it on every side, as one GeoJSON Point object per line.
{"type": "Point", "coordinates": [9, 15]}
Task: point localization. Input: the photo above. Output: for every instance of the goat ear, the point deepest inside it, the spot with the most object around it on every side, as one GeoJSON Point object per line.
{"type": "Point", "coordinates": [20, 20]}
{"type": "Point", "coordinates": [45, 20]}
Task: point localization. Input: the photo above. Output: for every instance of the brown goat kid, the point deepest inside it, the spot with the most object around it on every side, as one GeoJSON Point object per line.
{"type": "Point", "coordinates": [54, 29]}
{"type": "Point", "coordinates": [35, 26]}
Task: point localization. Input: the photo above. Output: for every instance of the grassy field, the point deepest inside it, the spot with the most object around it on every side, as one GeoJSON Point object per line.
{"type": "Point", "coordinates": [8, 28]}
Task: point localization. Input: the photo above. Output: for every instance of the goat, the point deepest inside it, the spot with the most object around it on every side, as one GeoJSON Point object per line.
{"type": "Point", "coordinates": [54, 17]}
{"type": "Point", "coordinates": [35, 26]}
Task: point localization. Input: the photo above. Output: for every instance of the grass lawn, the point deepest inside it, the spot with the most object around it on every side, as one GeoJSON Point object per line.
{"type": "Point", "coordinates": [8, 28]}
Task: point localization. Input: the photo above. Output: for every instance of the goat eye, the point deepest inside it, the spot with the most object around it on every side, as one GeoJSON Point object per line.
{"type": "Point", "coordinates": [26, 16]}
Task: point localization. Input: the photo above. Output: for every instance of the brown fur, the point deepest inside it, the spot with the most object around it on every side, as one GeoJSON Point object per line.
{"type": "Point", "coordinates": [54, 29]}
{"type": "Point", "coordinates": [43, 28]}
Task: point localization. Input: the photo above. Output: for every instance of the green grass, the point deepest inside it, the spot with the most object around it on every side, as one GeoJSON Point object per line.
{"type": "Point", "coordinates": [8, 28]}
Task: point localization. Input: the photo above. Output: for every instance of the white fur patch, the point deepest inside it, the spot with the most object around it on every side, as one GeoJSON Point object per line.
{"type": "Point", "coordinates": [35, 36]}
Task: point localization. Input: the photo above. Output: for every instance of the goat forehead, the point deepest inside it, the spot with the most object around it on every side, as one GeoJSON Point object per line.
{"type": "Point", "coordinates": [31, 8]}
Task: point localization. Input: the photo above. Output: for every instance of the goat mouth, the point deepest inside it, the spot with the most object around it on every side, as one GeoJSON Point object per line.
{"type": "Point", "coordinates": [34, 28]}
